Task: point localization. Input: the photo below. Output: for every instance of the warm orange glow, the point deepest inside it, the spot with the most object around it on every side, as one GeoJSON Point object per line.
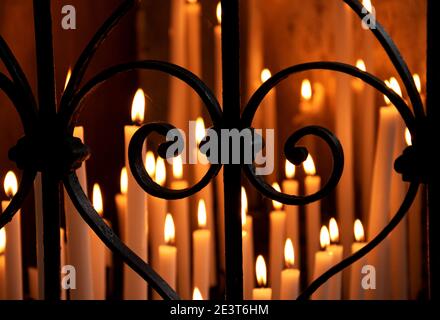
{"type": "Point", "coordinates": [218, 12]}
{"type": "Point", "coordinates": [324, 237]}
{"type": "Point", "coordinates": [359, 234]}
{"type": "Point", "coordinates": [169, 230]}
{"type": "Point", "coordinates": [124, 181]}
{"type": "Point", "coordinates": [265, 75]}
{"type": "Point", "coordinates": [10, 184]}
{"type": "Point", "coordinates": [197, 295]}
{"type": "Point", "coordinates": [2, 240]}
{"type": "Point", "coordinates": [244, 206]}
{"type": "Point", "coordinates": [309, 166]}
{"type": "Point", "coordinates": [334, 230]}
{"type": "Point", "coordinates": [150, 163]}
{"type": "Point", "coordinates": [367, 4]}
{"type": "Point", "coordinates": [360, 64]}
{"type": "Point", "coordinates": [289, 254]}
{"type": "Point", "coordinates": [306, 89]}
{"type": "Point", "coordinates": [177, 167]}
{"type": "Point", "coordinates": [191, 1]}
{"type": "Point", "coordinates": [408, 137]}
{"type": "Point", "coordinates": [418, 82]}
{"type": "Point", "coordinates": [290, 170]}
{"type": "Point", "coordinates": [201, 214]}
{"type": "Point", "coordinates": [261, 271]}
{"type": "Point", "coordinates": [97, 199]}
{"type": "Point", "coordinates": [161, 174]}
{"type": "Point", "coordinates": [138, 107]}
{"type": "Point", "coordinates": [69, 74]}
{"type": "Point", "coordinates": [277, 205]}
{"type": "Point", "coordinates": [200, 130]}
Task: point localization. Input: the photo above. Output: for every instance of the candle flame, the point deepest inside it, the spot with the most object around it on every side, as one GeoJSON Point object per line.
{"type": "Point", "coordinates": [290, 170]}
{"type": "Point", "coordinates": [359, 234]}
{"type": "Point", "coordinates": [334, 230]}
{"type": "Point", "coordinates": [367, 4]}
{"type": "Point", "coordinates": [218, 12]}
{"type": "Point", "coordinates": [160, 174]}
{"type": "Point", "coordinates": [2, 240]}
{"type": "Point", "coordinates": [261, 271]}
{"type": "Point", "coordinates": [289, 254]}
{"type": "Point", "coordinates": [169, 229]}
{"type": "Point", "coordinates": [150, 163]}
{"type": "Point", "coordinates": [324, 237]}
{"type": "Point", "coordinates": [408, 137]}
{"type": "Point", "coordinates": [360, 64]}
{"type": "Point", "coordinates": [418, 82]}
{"type": "Point", "coordinates": [197, 295]}
{"type": "Point", "coordinates": [200, 130]}
{"type": "Point", "coordinates": [97, 199]}
{"type": "Point", "coordinates": [265, 75]}
{"type": "Point", "coordinates": [309, 166]}
{"type": "Point", "coordinates": [124, 181]}
{"type": "Point", "coordinates": [393, 84]}
{"type": "Point", "coordinates": [277, 205]}
{"type": "Point", "coordinates": [69, 74]}
{"type": "Point", "coordinates": [10, 184]}
{"type": "Point", "coordinates": [138, 107]}
{"type": "Point", "coordinates": [201, 214]}
{"type": "Point", "coordinates": [177, 167]}
{"type": "Point", "coordinates": [306, 89]}
{"type": "Point", "coordinates": [244, 206]}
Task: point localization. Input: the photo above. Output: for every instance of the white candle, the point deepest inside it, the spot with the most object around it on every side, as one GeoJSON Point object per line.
{"type": "Point", "coordinates": [277, 236]}
{"type": "Point", "coordinates": [380, 199]}
{"type": "Point", "coordinates": [313, 213]}
{"type": "Point", "coordinates": [135, 288]}
{"type": "Point", "coordinates": [13, 254]}
{"type": "Point", "coordinates": [248, 248]}
{"type": "Point", "coordinates": [33, 284]}
{"type": "Point", "coordinates": [323, 262]}
{"type": "Point", "coordinates": [337, 250]}
{"type": "Point", "coordinates": [261, 293]}
{"type": "Point", "coordinates": [290, 275]}
{"type": "Point", "coordinates": [180, 210]}
{"type": "Point", "coordinates": [168, 253]}
{"type": "Point", "coordinates": [201, 254]}
{"type": "Point", "coordinates": [121, 204]}
{"type": "Point", "coordinates": [291, 186]}
{"type": "Point", "coordinates": [98, 250]}
{"type": "Point", "coordinates": [2, 264]}
{"type": "Point", "coordinates": [356, 290]}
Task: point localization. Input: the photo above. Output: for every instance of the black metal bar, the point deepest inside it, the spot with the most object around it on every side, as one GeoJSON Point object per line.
{"type": "Point", "coordinates": [50, 179]}
{"type": "Point", "coordinates": [433, 102]}
{"type": "Point", "coordinates": [232, 173]}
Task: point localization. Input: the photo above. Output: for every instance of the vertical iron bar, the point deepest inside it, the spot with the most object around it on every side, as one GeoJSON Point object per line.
{"type": "Point", "coordinates": [433, 102]}
{"type": "Point", "coordinates": [232, 172]}
{"type": "Point", "coordinates": [50, 180]}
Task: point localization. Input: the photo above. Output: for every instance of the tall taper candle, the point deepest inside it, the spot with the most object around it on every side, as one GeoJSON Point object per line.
{"type": "Point", "coordinates": [337, 250]}
{"type": "Point", "coordinates": [2, 264]}
{"type": "Point", "coordinates": [248, 248]}
{"type": "Point", "coordinates": [356, 290]}
{"type": "Point", "coordinates": [290, 275]}
{"type": "Point", "coordinates": [121, 204]}
{"type": "Point", "coordinates": [323, 262]}
{"type": "Point", "coordinates": [168, 253]}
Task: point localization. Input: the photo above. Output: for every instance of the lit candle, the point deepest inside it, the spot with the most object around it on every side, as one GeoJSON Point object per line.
{"type": "Point", "coordinates": [197, 294]}
{"type": "Point", "coordinates": [356, 290]}
{"type": "Point", "coordinates": [291, 186]}
{"type": "Point", "coordinates": [277, 236]}
{"type": "Point", "coordinates": [313, 213]}
{"type": "Point", "coordinates": [306, 103]}
{"type": "Point", "coordinates": [2, 264]}
{"type": "Point", "coordinates": [380, 198]}
{"type": "Point", "coordinates": [261, 293]}
{"type": "Point", "coordinates": [180, 210]}
{"type": "Point", "coordinates": [201, 254]}
{"type": "Point", "coordinates": [337, 250]}
{"type": "Point", "coordinates": [168, 253]}
{"type": "Point", "coordinates": [290, 275]}
{"type": "Point", "coordinates": [323, 262]}
{"type": "Point", "coordinates": [98, 250]}
{"type": "Point", "coordinates": [121, 204]}
{"type": "Point", "coordinates": [13, 254]}
{"type": "Point", "coordinates": [248, 249]}
{"type": "Point", "coordinates": [135, 287]}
